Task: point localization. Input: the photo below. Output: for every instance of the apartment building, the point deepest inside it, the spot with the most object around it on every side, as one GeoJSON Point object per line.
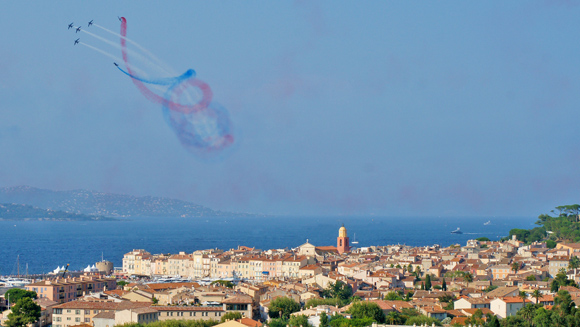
{"type": "Point", "coordinates": [61, 290]}
{"type": "Point", "coordinates": [79, 312]}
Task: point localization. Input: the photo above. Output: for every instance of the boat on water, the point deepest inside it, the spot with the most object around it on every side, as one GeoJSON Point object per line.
{"type": "Point", "coordinates": [457, 231]}
{"type": "Point", "coordinates": [354, 241]}
{"type": "Point", "coordinates": [14, 282]}
{"type": "Point", "coordinates": [487, 222]}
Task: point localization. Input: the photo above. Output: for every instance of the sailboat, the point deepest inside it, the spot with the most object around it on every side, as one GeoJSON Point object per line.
{"type": "Point", "coordinates": [354, 239]}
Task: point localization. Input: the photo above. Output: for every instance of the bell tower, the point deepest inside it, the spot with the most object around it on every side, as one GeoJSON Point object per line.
{"type": "Point", "coordinates": [342, 243]}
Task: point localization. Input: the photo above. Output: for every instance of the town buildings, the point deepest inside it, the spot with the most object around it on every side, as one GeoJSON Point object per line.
{"type": "Point", "coordinates": [482, 275]}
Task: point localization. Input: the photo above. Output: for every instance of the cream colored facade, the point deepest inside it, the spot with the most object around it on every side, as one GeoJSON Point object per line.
{"type": "Point", "coordinates": [140, 315]}
{"type": "Point", "coordinates": [133, 263]}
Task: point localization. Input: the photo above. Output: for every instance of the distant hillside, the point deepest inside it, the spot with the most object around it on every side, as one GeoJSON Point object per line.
{"type": "Point", "coordinates": [106, 204]}
{"type": "Point", "coordinates": [27, 212]}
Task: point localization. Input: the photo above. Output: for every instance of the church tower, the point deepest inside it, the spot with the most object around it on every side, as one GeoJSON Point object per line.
{"type": "Point", "coordinates": [342, 241]}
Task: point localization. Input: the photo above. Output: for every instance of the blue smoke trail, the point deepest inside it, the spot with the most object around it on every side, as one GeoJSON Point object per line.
{"type": "Point", "coordinates": [190, 73]}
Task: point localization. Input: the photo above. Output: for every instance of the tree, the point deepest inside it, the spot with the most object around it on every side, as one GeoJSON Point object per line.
{"type": "Point", "coordinates": [339, 290]}
{"type": "Point", "coordinates": [531, 278]}
{"type": "Point", "coordinates": [410, 268]}
{"type": "Point", "coordinates": [515, 267]}
{"type": "Point", "coordinates": [537, 295]}
{"type": "Point", "coordinates": [282, 307]}
{"type": "Point", "coordinates": [493, 322]}
{"type": "Point", "coordinates": [483, 239]}
{"type": "Point", "coordinates": [122, 283]}
{"type": "Point", "coordinates": [15, 294]}
{"type": "Point", "coordinates": [564, 301]}
{"type": "Point", "coordinates": [428, 282]}
{"type": "Point", "coordinates": [523, 295]}
{"type": "Point", "coordinates": [468, 277]}
{"type": "Point", "coordinates": [395, 318]}
{"type": "Point", "coordinates": [154, 300]}
{"type": "Point", "coordinates": [277, 322]}
{"type": "Point", "coordinates": [393, 296]}
{"type": "Point", "coordinates": [528, 312]}
{"type": "Point", "coordinates": [418, 271]}
{"type": "Point", "coordinates": [298, 321]}
{"type": "Point", "coordinates": [574, 263]}
{"type": "Point", "coordinates": [24, 312]}
{"type": "Point", "coordinates": [444, 285]}
{"type": "Point", "coordinates": [231, 316]}
{"type": "Point", "coordinates": [224, 283]}
{"type": "Point", "coordinates": [422, 320]}
{"type": "Point", "coordinates": [323, 319]}
{"type": "Point", "coordinates": [360, 310]}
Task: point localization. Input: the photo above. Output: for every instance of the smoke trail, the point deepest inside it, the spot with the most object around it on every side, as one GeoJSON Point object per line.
{"type": "Point", "coordinates": [160, 63]}
{"type": "Point", "coordinates": [202, 127]}
{"type": "Point", "coordinates": [118, 59]}
{"type": "Point", "coordinates": [101, 51]}
{"type": "Point", "coordinates": [143, 59]}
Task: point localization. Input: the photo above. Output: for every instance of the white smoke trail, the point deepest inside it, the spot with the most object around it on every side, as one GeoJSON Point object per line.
{"type": "Point", "coordinates": [160, 63]}
{"type": "Point", "coordinates": [117, 60]}
{"type": "Point", "coordinates": [140, 57]}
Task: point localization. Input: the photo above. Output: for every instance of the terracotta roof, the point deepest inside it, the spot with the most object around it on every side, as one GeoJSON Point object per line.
{"type": "Point", "coordinates": [250, 322]}
{"type": "Point", "coordinates": [238, 299]}
{"type": "Point", "coordinates": [184, 308]}
{"type": "Point", "coordinates": [103, 305]}
{"type": "Point", "coordinates": [105, 315]}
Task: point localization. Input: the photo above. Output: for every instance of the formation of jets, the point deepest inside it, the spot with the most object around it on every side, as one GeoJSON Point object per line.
{"type": "Point", "coordinates": [71, 25]}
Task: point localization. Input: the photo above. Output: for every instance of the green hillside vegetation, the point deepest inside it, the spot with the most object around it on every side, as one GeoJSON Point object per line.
{"type": "Point", "coordinates": [27, 212]}
{"type": "Point", "coordinates": [563, 225]}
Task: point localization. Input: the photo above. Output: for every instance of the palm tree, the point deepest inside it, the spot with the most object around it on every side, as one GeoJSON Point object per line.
{"type": "Point", "coordinates": [537, 295]}
{"type": "Point", "coordinates": [574, 263]}
{"type": "Point", "coordinates": [528, 312]}
{"type": "Point", "coordinates": [523, 295]}
{"type": "Point", "coordinates": [515, 267]}
{"type": "Point", "coordinates": [468, 277]}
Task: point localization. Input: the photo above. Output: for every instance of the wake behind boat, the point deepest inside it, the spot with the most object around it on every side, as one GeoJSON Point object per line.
{"type": "Point", "coordinates": [457, 231]}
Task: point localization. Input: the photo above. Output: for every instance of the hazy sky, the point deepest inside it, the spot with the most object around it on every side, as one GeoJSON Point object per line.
{"type": "Point", "coordinates": [338, 107]}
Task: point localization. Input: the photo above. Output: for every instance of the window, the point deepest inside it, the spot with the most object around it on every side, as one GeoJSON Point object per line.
{"type": "Point", "coordinates": [87, 319]}
{"type": "Point", "coordinates": [67, 310]}
{"type": "Point", "coordinates": [67, 318]}
{"type": "Point", "coordinates": [87, 312]}
{"type": "Point", "coordinates": [77, 319]}
{"type": "Point", "coordinates": [77, 312]}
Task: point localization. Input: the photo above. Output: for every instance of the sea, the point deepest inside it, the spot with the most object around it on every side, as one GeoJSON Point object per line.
{"type": "Point", "coordinates": [38, 247]}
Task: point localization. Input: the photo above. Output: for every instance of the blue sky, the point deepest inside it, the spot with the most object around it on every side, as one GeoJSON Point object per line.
{"type": "Point", "coordinates": [338, 107]}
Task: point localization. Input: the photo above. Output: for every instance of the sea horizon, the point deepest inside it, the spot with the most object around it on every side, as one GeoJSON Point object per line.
{"type": "Point", "coordinates": [45, 245]}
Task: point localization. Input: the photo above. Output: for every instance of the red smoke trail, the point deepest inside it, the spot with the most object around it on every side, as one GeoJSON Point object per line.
{"type": "Point", "coordinates": [207, 94]}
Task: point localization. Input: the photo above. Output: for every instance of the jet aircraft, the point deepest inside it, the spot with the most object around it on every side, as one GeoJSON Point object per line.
{"type": "Point", "coordinates": [119, 18]}
{"type": "Point", "coordinates": [91, 22]}
{"type": "Point", "coordinates": [78, 29]}
{"type": "Point", "coordinates": [116, 64]}
{"type": "Point", "coordinates": [76, 41]}
{"type": "Point", "coordinates": [70, 25]}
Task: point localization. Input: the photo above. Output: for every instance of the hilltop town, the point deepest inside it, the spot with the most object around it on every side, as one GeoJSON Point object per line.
{"type": "Point", "coordinates": [476, 283]}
